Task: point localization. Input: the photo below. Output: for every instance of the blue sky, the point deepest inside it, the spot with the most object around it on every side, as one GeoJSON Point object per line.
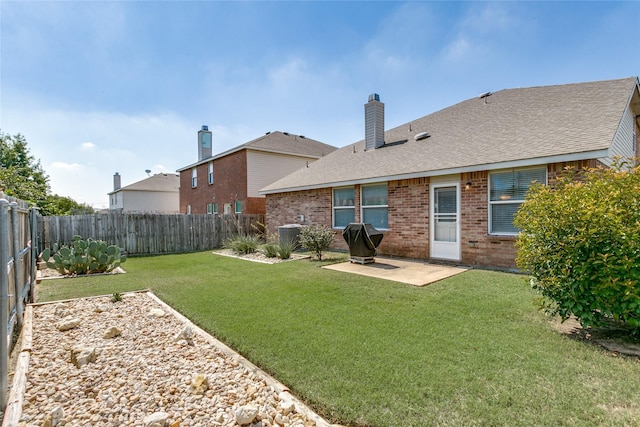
{"type": "Point", "coordinates": [98, 87]}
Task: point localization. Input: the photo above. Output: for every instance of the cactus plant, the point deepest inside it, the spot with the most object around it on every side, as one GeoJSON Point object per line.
{"type": "Point", "coordinates": [83, 257]}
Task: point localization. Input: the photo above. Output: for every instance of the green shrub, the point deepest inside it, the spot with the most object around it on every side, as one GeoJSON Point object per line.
{"type": "Point", "coordinates": [243, 244]}
{"type": "Point", "coordinates": [270, 249]}
{"type": "Point", "coordinates": [580, 242]}
{"type": "Point", "coordinates": [83, 257]}
{"type": "Point", "coordinates": [285, 249]}
{"type": "Point", "coordinates": [316, 238]}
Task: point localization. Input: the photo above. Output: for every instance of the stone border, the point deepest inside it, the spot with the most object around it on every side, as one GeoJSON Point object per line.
{"type": "Point", "coordinates": [249, 257]}
{"type": "Point", "coordinates": [13, 411]}
{"type": "Point", "coordinates": [39, 277]}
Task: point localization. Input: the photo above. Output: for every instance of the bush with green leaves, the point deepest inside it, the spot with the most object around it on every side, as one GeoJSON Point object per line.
{"type": "Point", "coordinates": [270, 249]}
{"type": "Point", "coordinates": [316, 239]}
{"type": "Point", "coordinates": [83, 257]}
{"type": "Point", "coordinates": [285, 249]}
{"type": "Point", "coordinates": [580, 242]}
{"type": "Point", "coordinates": [243, 245]}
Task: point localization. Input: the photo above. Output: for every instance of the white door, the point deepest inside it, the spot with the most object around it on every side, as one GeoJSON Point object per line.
{"type": "Point", "coordinates": [444, 233]}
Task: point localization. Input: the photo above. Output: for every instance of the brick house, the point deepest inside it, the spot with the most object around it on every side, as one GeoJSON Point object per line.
{"type": "Point", "coordinates": [155, 194]}
{"type": "Point", "coordinates": [447, 185]}
{"type": "Point", "coordinates": [228, 183]}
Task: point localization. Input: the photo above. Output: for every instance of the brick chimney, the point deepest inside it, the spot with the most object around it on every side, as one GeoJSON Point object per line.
{"type": "Point", "coordinates": [373, 123]}
{"type": "Point", "coordinates": [116, 181]}
{"type": "Point", "coordinates": [204, 143]}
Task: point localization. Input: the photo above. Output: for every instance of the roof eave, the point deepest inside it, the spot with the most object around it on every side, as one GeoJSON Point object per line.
{"type": "Point", "coordinates": [595, 154]}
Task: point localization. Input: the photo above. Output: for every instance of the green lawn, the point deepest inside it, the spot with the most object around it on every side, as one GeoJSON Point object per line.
{"type": "Point", "coordinates": [469, 350]}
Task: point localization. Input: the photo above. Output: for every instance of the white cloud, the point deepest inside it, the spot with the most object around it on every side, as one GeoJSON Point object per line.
{"type": "Point", "coordinates": [72, 167]}
{"type": "Point", "coordinates": [128, 144]}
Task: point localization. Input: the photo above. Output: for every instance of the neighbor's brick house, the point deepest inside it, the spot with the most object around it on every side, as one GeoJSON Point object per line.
{"type": "Point", "coordinates": [228, 183]}
{"type": "Point", "coordinates": [446, 186]}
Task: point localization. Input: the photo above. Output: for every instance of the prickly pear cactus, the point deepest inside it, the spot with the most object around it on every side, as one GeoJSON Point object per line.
{"type": "Point", "coordinates": [83, 257]}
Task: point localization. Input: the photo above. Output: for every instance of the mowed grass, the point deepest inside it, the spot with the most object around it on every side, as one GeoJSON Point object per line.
{"type": "Point", "coordinates": [471, 350]}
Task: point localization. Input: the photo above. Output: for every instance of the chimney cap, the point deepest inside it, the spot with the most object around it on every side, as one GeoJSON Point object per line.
{"type": "Point", "coordinates": [374, 97]}
{"type": "Point", "coordinates": [116, 173]}
{"type": "Point", "coordinates": [205, 127]}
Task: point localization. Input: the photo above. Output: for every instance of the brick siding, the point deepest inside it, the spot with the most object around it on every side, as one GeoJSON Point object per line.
{"type": "Point", "coordinates": [229, 185]}
{"type": "Point", "coordinates": [408, 201]}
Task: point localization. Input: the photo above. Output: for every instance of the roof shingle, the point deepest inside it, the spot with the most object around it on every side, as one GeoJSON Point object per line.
{"type": "Point", "coordinates": [508, 126]}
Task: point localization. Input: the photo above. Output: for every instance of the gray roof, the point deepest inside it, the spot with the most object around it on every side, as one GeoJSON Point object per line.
{"type": "Point", "coordinates": [508, 128]}
{"type": "Point", "coordinates": [280, 143]}
{"type": "Point", "coordinates": [169, 182]}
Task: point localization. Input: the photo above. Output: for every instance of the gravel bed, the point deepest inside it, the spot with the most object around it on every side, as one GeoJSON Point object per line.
{"type": "Point", "coordinates": [160, 370]}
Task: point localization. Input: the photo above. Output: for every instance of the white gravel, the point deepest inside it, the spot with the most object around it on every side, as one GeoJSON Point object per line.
{"type": "Point", "coordinates": [144, 371]}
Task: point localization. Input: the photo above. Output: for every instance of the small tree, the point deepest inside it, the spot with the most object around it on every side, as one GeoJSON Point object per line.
{"type": "Point", "coordinates": [316, 238]}
{"type": "Point", "coordinates": [580, 242]}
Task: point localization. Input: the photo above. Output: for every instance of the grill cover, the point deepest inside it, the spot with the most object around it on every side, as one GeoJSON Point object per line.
{"type": "Point", "coordinates": [363, 239]}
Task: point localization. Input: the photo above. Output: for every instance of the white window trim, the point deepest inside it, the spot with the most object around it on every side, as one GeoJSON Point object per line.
{"type": "Point", "coordinates": [491, 203]}
{"type": "Point", "coordinates": [210, 173]}
{"type": "Point", "coordinates": [363, 206]}
{"type": "Point", "coordinates": [235, 206]}
{"type": "Point", "coordinates": [333, 207]}
{"type": "Point", "coordinates": [194, 178]}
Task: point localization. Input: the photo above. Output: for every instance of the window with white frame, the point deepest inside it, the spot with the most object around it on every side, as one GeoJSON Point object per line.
{"type": "Point", "coordinates": [238, 206]}
{"type": "Point", "coordinates": [215, 208]}
{"type": "Point", "coordinates": [375, 208]}
{"type": "Point", "coordinates": [210, 173]}
{"type": "Point", "coordinates": [507, 190]}
{"type": "Point", "coordinates": [194, 178]}
{"type": "Point", "coordinates": [209, 208]}
{"type": "Point", "coordinates": [344, 211]}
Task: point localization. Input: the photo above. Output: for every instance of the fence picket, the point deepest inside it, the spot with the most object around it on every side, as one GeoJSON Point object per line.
{"type": "Point", "coordinates": [148, 234]}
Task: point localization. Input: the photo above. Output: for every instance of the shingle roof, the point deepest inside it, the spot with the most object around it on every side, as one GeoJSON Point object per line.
{"type": "Point", "coordinates": [513, 125]}
{"type": "Point", "coordinates": [159, 182]}
{"type": "Point", "coordinates": [278, 142]}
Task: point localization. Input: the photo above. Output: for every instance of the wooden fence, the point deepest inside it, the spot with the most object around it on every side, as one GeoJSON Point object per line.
{"type": "Point", "coordinates": [148, 234]}
{"type": "Point", "coordinates": [17, 275]}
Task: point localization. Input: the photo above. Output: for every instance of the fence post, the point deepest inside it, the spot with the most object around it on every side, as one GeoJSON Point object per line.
{"type": "Point", "coordinates": [4, 301]}
{"type": "Point", "coordinates": [33, 223]}
{"type": "Point", "coordinates": [17, 263]}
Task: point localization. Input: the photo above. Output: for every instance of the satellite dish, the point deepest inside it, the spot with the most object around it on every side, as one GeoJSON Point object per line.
{"type": "Point", "coordinates": [148, 171]}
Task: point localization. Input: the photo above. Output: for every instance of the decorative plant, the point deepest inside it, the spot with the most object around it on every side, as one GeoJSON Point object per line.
{"type": "Point", "coordinates": [116, 297]}
{"type": "Point", "coordinates": [83, 257]}
{"type": "Point", "coordinates": [243, 244]}
{"type": "Point", "coordinates": [270, 249]}
{"type": "Point", "coordinates": [316, 238]}
{"type": "Point", "coordinates": [580, 243]}
{"type": "Point", "coordinates": [285, 249]}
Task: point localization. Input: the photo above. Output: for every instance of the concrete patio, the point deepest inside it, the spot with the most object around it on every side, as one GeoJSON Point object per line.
{"type": "Point", "coordinates": [417, 273]}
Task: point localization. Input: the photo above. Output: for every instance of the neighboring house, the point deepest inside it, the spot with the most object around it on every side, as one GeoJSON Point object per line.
{"type": "Point", "coordinates": [157, 194]}
{"type": "Point", "coordinates": [446, 186]}
{"type": "Point", "coordinates": [228, 183]}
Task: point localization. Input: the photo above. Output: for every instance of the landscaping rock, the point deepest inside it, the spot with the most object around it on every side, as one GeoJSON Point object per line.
{"type": "Point", "coordinates": [112, 332]}
{"type": "Point", "coordinates": [157, 312]}
{"type": "Point", "coordinates": [246, 414]}
{"type": "Point", "coordinates": [81, 356]}
{"type": "Point", "coordinates": [67, 324]}
{"type": "Point", "coordinates": [186, 334]}
{"type": "Point", "coordinates": [199, 384]}
{"type": "Point", "coordinates": [157, 419]}
{"type": "Point", "coordinates": [145, 370]}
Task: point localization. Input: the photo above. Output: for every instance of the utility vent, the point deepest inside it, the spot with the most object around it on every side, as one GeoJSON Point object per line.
{"type": "Point", "coordinates": [485, 96]}
{"type": "Point", "coordinates": [421, 135]}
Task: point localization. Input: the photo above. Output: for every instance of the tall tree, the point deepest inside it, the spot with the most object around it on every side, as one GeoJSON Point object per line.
{"type": "Point", "coordinates": [21, 175]}
{"type": "Point", "coordinates": [60, 205]}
